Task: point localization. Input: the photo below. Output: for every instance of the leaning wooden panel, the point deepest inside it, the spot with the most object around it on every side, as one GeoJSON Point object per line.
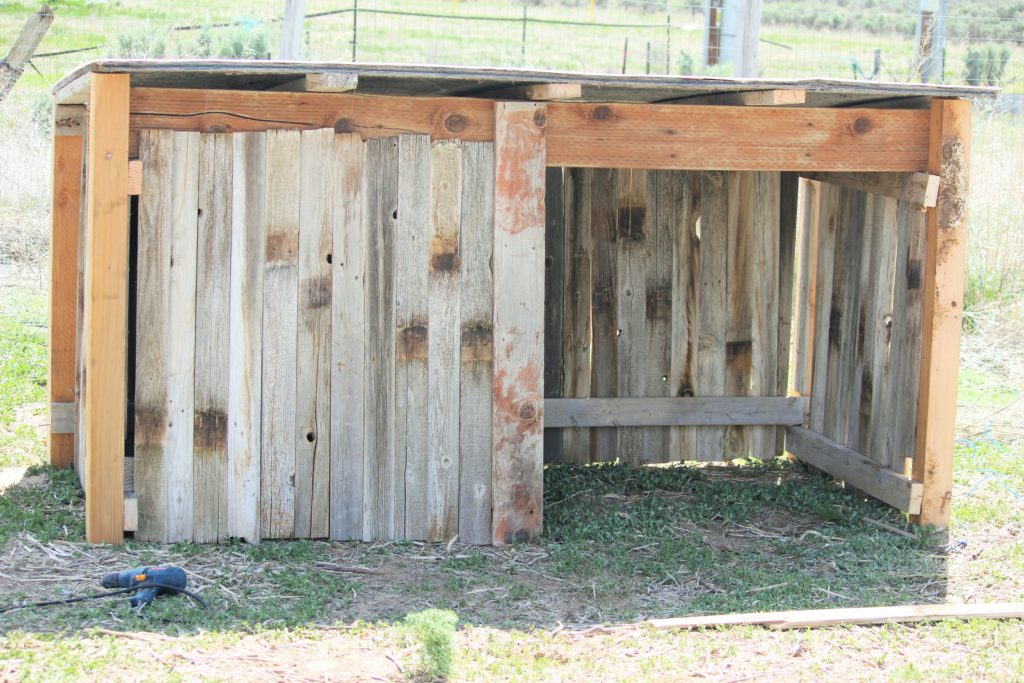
{"type": "Point", "coordinates": [280, 324]}
{"type": "Point", "coordinates": [826, 224]}
{"type": "Point", "coordinates": [245, 372]}
{"type": "Point", "coordinates": [313, 344]}
{"type": "Point", "coordinates": [412, 243]}
{"type": "Point", "coordinates": [678, 136]}
{"type": "Point", "coordinates": [348, 352]}
{"type": "Point", "coordinates": [712, 304]}
{"type": "Point", "coordinates": [518, 456]}
{"type": "Point", "coordinates": [578, 290]}
{"type": "Point", "coordinates": [106, 306]}
{"type": "Point", "coordinates": [476, 345]}
{"type": "Point", "coordinates": [806, 266]}
{"type": "Point", "coordinates": [213, 350]}
{"type": "Point", "coordinates": [949, 157]}
{"type": "Point", "coordinates": [443, 357]}
{"type": "Point", "coordinates": [380, 226]}
{"type": "Point", "coordinates": [67, 195]}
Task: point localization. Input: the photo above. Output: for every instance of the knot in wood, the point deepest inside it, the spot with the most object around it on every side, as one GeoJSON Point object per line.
{"type": "Point", "coordinates": [344, 126]}
{"type": "Point", "coordinates": [455, 123]}
{"type": "Point", "coordinates": [602, 113]}
{"type": "Point", "coordinates": [528, 412]}
{"type": "Point", "coordinates": [540, 119]}
{"type": "Point", "coordinates": [861, 125]}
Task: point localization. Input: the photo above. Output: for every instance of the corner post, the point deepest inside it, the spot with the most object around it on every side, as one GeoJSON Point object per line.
{"type": "Point", "coordinates": [68, 151]}
{"type": "Point", "coordinates": [106, 307]}
{"type": "Point", "coordinates": [949, 156]}
{"type": "Point", "coordinates": [517, 476]}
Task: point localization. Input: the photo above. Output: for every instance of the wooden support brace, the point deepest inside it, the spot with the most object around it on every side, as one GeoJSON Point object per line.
{"type": "Point", "coordinates": [328, 81]}
{"type": "Point", "coordinates": [541, 92]}
{"type": "Point", "coordinates": [917, 188]}
{"type": "Point", "coordinates": [673, 412]}
{"type": "Point", "coordinates": [106, 306]}
{"type": "Point", "coordinates": [949, 157]}
{"type": "Point", "coordinates": [857, 470]}
{"type": "Point", "coordinates": [67, 192]}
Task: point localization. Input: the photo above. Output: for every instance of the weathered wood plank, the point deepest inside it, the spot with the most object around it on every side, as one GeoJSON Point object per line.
{"type": "Point", "coordinates": [245, 371]}
{"type": "Point", "coordinates": [106, 306]}
{"type": "Point", "coordinates": [152, 334]}
{"type": "Point", "coordinates": [604, 363]}
{"type": "Point", "coordinates": [713, 312]}
{"type": "Point", "coordinates": [81, 364]}
{"type": "Point", "coordinates": [540, 92]}
{"type": "Point", "coordinates": [855, 469]}
{"type": "Point", "coordinates": [348, 340]}
{"type": "Point", "coordinates": [213, 340]}
{"type": "Point", "coordinates": [313, 345]}
{"type": "Point", "coordinates": [916, 188]}
{"type": "Point", "coordinates": [751, 98]}
{"type": "Point", "coordinates": [577, 288]}
{"type": "Point", "coordinates": [661, 202]}
{"type": "Point", "coordinates": [949, 156]}
{"type": "Point", "coordinates": [742, 280]}
{"type": "Point", "coordinates": [66, 201]}
{"type": "Point", "coordinates": [476, 343]}
{"type": "Point", "coordinates": [788, 198]}
{"type": "Point", "coordinates": [827, 224]}
{"type": "Point", "coordinates": [555, 295]}
{"type": "Point", "coordinates": [326, 81]}
{"type": "Point", "coordinates": [633, 237]}
{"type": "Point", "coordinates": [444, 347]}
{"type": "Point", "coordinates": [802, 355]}
{"type": "Point", "coordinates": [701, 137]}
{"type": "Point", "coordinates": [412, 245]}
{"type": "Point", "coordinates": [381, 225]}
{"type": "Point", "coordinates": [518, 456]}
{"type": "Point", "coordinates": [280, 325]}
{"type": "Point", "coordinates": [664, 412]}
{"type": "Point", "coordinates": [685, 202]}
{"type": "Point", "coordinates": [62, 418]}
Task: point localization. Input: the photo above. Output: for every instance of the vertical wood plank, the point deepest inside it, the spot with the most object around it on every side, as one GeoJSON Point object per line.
{"type": "Point", "coordinates": [634, 232]}
{"type": "Point", "coordinates": [348, 338]}
{"type": "Point", "coordinates": [788, 198]}
{"type": "Point", "coordinates": [156, 150]}
{"type": "Point", "coordinates": [280, 324]}
{"type": "Point", "coordinates": [658, 304]}
{"type": "Point", "coordinates": [67, 197]}
{"type": "Point", "coordinates": [554, 299]}
{"type": "Point", "coordinates": [213, 285]}
{"type": "Point", "coordinates": [81, 364]}
{"type": "Point", "coordinates": [313, 344]}
{"type": "Point", "coordinates": [827, 224]}
{"type": "Point", "coordinates": [949, 155]}
{"type": "Point", "coordinates": [106, 306]}
{"type": "Point", "coordinates": [802, 356]}
{"type": "Point", "coordinates": [604, 363]}
{"type": "Point", "coordinates": [685, 199]}
{"type": "Point", "coordinates": [412, 336]}
{"type": "Point", "coordinates": [381, 219]}
{"type": "Point", "coordinates": [443, 358]}
{"type": "Point", "coordinates": [245, 372]}
{"type": "Point", "coordinates": [518, 458]}
{"type": "Point", "coordinates": [476, 351]}
{"type": "Point", "coordinates": [577, 338]}
{"type": "Point", "coordinates": [713, 303]}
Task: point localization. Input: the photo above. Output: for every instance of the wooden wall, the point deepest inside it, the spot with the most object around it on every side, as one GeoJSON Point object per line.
{"type": "Point", "coordinates": [314, 337]}
{"type": "Point", "coordinates": [667, 283]}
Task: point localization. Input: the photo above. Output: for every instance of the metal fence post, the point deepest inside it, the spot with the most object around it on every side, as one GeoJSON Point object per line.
{"type": "Point", "coordinates": [355, 27]}
{"type": "Point", "coordinates": [522, 56]}
{"type": "Point", "coordinates": [668, 43]}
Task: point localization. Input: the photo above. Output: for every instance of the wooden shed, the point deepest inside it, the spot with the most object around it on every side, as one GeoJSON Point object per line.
{"type": "Point", "coordinates": [362, 301]}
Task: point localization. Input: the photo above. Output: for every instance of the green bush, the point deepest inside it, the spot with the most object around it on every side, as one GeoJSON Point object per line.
{"type": "Point", "coordinates": [143, 42]}
{"type": "Point", "coordinates": [986, 64]}
{"type": "Point", "coordinates": [434, 629]}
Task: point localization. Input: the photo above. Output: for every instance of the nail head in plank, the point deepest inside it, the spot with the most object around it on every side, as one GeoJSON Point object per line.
{"type": "Point", "coordinates": [518, 458]}
{"type": "Point", "coordinates": [106, 306]}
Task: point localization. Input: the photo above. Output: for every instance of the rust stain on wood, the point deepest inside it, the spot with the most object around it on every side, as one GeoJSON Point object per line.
{"type": "Point", "coordinates": [444, 254]}
{"type": "Point", "coordinates": [413, 342]}
{"type": "Point", "coordinates": [211, 429]}
{"type": "Point", "coordinates": [525, 199]}
{"type": "Point", "coordinates": [477, 342]}
{"type": "Point", "coordinates": [520, 525]}
{"type": "Point", "coordinates": [282, 247]}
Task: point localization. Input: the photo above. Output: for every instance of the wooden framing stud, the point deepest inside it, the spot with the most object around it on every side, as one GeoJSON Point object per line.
{"type": "Point", "coordinates": [542, 92]}
{"type": "Point", "coordinates": [949, 157]}
{"type": "Point", "coordinates": [917, 188]}
{"type": "Point", "coordinates": [106, 306]}
{"type": "Point", "coordinates": [67, 191]}
{"type": "Point", "coordinates": [134, 177]}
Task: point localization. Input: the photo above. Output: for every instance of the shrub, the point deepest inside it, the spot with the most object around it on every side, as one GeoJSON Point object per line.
{"type": "Point", "coordinates": [434, 629]}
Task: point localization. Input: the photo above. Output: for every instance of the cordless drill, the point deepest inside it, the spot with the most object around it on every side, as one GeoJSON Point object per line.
{"type": "Point", "coordinates": [151, 582]}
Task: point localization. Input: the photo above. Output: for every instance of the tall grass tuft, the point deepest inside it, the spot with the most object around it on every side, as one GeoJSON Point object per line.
{"type": "Point", "coordinates": [434, 629]}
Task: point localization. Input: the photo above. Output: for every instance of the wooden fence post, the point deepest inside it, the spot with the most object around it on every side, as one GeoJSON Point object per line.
{"type": "Point", "coordinates": [518, 422]}
{"type": "Point", "coordinates": [948, 157]}
{"type": "Point", "coordinates": [106, 306]}
{"type": "Point", "coordinates": [12, 66]}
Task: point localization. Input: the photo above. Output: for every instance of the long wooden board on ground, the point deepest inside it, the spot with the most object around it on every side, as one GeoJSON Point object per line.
{"type": "Point", "coordinates": [816, 618]}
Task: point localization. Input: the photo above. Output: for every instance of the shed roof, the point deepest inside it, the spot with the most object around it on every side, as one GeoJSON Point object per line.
{"type": "Point", "coordinates": [418, 80]}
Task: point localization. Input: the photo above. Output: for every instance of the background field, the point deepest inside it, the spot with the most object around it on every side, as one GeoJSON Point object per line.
{"type": "Point", "coordinates": [621, 545]}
